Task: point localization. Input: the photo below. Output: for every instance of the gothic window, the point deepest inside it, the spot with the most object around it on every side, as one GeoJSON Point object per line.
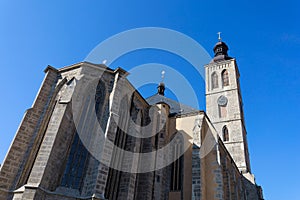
{"type": "Point", "coordinates": [114, 176]}
{"type": "Point", "coordinates": [225, 78]}
{"type": "Point", "coordinates": [177, 165]}
{"type": "Point", "coordinates": [134, 110]}
{"type": "Point", "coordinates": [76, 164]}
{"type": "Point", "coordinates": [214, 80]}
{"type": "Point", "coordinates": [225, 134]}
{"type": "Point", "coordinates": [101, 107]}
{"type": "Point", "coordinates": [99, 96]}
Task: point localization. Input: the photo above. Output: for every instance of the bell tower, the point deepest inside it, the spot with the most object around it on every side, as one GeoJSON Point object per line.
{"type": "Point", "coordinates": [224, 104]}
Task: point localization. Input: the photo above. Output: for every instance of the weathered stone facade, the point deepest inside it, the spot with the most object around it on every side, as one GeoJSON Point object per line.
{"type": "Point", "coordinates": [233, 119]}
{"type": "Point", "coordinates": [91, 135]}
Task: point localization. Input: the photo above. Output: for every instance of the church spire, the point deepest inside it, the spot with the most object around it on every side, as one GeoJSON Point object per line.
{"type": "Point", "coordinates": [222, 76]}
{"type": "Point", "coordinates": [161, 87]}
{"type": "Point", "coordinates": [220, 50]}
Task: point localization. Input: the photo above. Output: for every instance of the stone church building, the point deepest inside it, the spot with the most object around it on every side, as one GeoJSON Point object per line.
{"type": "Point", "coordinates": [91, 135]}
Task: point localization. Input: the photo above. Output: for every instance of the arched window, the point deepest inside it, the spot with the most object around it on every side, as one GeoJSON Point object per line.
{"type": "Point", "coordinates": [225, 134]}
{"type": "Point", "coordinates": [101, 104]}
{"type": "Point", "coordinates": [214, 80]}
{"type": "Point", "coordinates": [225, 78]}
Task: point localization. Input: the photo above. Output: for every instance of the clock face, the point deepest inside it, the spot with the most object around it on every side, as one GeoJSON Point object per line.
{"type": "Point", "coordinates": [222, 100]}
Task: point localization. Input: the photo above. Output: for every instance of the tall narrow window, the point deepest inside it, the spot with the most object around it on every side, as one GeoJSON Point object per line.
{"type": "Point", "coordinates": [225, 134]}
{"type": "Point", "coordinates": [101, 104]}
{"type": "Point", "coordinates": [225, 78]}
{"type": "Point", "coordinates": [114, 175]}
{"type": "Point", "coordinates": [214, 80]}
{"type": "Point", "coordinates": [76, 164]}
{"type": "Point", "coordinates": [177, 165]}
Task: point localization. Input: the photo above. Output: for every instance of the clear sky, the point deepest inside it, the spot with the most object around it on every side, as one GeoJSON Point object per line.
{"type": "Point", "coordinates": [264, 37]}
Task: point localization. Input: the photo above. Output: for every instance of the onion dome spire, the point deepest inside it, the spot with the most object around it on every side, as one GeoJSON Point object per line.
{"type": "Point", "coordinates": [220, 50]}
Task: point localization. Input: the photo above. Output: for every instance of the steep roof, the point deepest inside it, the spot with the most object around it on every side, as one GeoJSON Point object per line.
{"type": "Point", "coordinates": [176, 108]}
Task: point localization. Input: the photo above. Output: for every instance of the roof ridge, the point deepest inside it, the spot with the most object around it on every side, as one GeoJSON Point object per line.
{"type": "Point", "coordinates": [175, 106]}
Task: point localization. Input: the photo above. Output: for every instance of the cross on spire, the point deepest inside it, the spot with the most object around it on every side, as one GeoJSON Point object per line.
{"type": "Point", "coordinates": [161, 87]}
{"type": "Point", "coordinates": [219, 38]}
{"type": "Point", "coordinates": [162, 76]}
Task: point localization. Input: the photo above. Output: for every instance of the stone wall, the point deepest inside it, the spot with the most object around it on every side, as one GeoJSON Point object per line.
{"type": "Point", "coordinates": [14, 166]}
{"type": "Point", "coordinates": [231, 113]}
{"type": "Point", "coordinates": [37, 159]}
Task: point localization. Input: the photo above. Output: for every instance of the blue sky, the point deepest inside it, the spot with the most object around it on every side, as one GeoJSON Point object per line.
{"type": "Point", "coordinates": [264, 37]}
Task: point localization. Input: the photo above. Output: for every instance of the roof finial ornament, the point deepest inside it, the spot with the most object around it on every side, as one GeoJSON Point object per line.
{"type": "Point", "coordinates": [220, 50]}
{"type": "Point", "coordinates": [161, 87]}
{"type": "Point", "coordinates": [162, 76]}
{"type": "Point", "coordinates": [219, 38]}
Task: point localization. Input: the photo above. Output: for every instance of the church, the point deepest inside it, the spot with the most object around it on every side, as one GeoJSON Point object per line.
{"type": "Point", "coordinates": [90, 135]}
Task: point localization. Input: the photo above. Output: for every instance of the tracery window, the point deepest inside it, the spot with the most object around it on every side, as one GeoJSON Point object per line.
{"type": "Point", "coordinates": [214, 80]}
{"type": "Point", "coordinates": [225, 78]}
{"type": "Point", "coordinates": [78, 157]}
{"type": "Point", "coordinates": [76, 164]}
